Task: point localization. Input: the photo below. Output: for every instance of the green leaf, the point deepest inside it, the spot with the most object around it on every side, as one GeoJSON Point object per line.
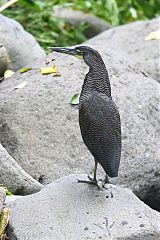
{"type": "Point", "coordinates": [8, 73]}
{"type": "Point", "coordinates": [88, 4]}
{"type": "Point", "coordinates": [30, 3]}
{"type": "Point", "coordinates": [8, 193]}
{"type": "Point", "coordinates": [133, 12]}
{"type": "Point", "coordinates": [25, 70]}
{"type": "Point", "coordinates": [75, 99]}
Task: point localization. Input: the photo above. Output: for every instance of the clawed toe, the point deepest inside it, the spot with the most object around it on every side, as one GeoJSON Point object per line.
{"type": "Point", "coordinates": [95, 182]}
{"type": "Point", "coordinates": [91, 181]}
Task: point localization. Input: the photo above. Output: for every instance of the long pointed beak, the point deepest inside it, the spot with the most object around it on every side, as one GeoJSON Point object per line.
{"type": "Point", "coordinates": [69, 51]}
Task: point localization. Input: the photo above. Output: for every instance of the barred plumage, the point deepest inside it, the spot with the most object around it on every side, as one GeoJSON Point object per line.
{"type": "Point", "coordinates": [99, 118]}
{"type": "Point", "coordinates": [98, 115]}
{"type": "Point", "coordinates": [99, 123]}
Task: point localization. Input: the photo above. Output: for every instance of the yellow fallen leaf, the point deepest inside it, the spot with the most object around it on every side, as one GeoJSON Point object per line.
{"type": "Point", "coordinates": [49, 70]}
{"type": "Point", "coordinates": [153, 35]}
{"type": "Point", "coordinates": [21, 85]}
{"type": "Point", "coordinates": [4, 218]}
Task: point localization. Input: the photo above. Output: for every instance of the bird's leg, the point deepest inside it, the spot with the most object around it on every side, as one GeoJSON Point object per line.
{"type": "Point", "coordinates": [106, 180]}
{"type": "Point", "coordinates": [94, 180]}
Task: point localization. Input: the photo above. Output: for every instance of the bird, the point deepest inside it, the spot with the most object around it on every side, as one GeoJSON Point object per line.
{"type": "Point", "coordinates": [99, 118]}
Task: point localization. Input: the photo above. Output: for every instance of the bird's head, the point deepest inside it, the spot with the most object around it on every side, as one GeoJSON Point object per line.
{"type": "Point", "coordinates": [88, 54]}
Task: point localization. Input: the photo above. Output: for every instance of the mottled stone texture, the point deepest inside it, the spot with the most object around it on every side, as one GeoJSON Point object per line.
{"type": "Point", "coordinates": [14, 177]}
{"type": "Point", "coordinates": [70, 210]}
{"type": "Point", "coordinates": [22, 48]}
{"type": "Point", "coordinates": [39, 128]}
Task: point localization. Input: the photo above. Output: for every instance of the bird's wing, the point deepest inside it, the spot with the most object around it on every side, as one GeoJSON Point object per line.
{"type": "Point", "coordinates": [101, 130]}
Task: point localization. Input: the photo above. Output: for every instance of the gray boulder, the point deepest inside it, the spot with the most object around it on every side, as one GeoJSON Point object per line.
{"type": "Point", "coordinates": [127, 42]}
{"type": "Point", "coordinates": [70, 210]}
{"type": "Point", "coordinates": [21, 46]}
{"type": "Point", "coordinates": [5, 62]}
{"type": "Point", "coordinates": [95, 25]}
{"type": "Point", "coordinates": [14, 177]}
{"type": "Point", "coordinates": [39, 128]}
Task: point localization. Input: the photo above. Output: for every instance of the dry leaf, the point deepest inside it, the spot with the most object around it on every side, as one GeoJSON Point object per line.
{"type": "Point", "coordinates": [4, 218]}
{"type": "Point", "coordinates": [21, 85]}
{"type": "Point", "coordinates": [49, 70]}
{"type": "Point", "coordinates": [8, 73]}
{"type": "Point", "coordinates": [153, 35]}
{"type": "Point", "coordinates": [57, 75]}
{"type": "Point", "coordinates": [1, 79]}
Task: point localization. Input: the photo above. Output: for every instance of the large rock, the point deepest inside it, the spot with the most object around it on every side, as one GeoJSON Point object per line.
{"type": "Point", "coordinates": [70, 210]}
{"type": "Point", "coordinates": [21, 46]}
{"type": "Point", "coordinates": [94, 26]}
{"type": "Point", "coordinates": [39, 128]}
{"type": "Point", "coordinates": [5, 62]}
{"type": "Point", "coordinates": [127, 42]}
{"type": "Point", "coordinates": [14, 177]}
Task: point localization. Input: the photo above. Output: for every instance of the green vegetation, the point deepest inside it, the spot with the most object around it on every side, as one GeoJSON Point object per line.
{"type": "Point", "coordinates": [38, 18]}
{"type": "Point", "coordinates": [8, 193]}
{"type": "Point", "coordinates": [119, 12]}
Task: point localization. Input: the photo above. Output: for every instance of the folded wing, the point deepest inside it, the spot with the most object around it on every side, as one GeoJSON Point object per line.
{"type": "Point", "coordinates": [101, 130]}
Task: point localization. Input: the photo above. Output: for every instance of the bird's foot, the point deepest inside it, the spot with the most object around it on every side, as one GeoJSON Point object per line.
{"type": "Point", "coordinates": [105, 181]}
{"type": "Point", "coordinates": [91, 181]}
{"type": "Point", "coordinates": [104, 185]}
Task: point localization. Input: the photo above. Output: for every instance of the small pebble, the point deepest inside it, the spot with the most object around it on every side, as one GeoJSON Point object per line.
{"type": "Point", "coordinates": [141, 225]}
{"type": "Point", "coordinates": [124, 223]}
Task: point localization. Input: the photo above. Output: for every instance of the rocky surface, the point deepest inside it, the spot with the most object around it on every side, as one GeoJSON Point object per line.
{"type": "Point", "coordinates": [95, 25]}
{"type": "Point", "coordinates": [12, 198]}
{"type": "Point", "coordinates": [14, 177]}
{"type": "Point", "coordinates": [70, 210]}
{"type": "Point", "coordinates": [2, 198]}
{"type": "Point", "coordinates": [5, 62]}
{"type": "Point", "coordinates": [39, 128]}
{"type": "Point", "coordinates": [21, 46]}
{"type": "Point", "coordinates": [127, 42]}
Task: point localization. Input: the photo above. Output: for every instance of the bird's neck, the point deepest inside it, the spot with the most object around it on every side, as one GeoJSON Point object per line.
{"type": "Point", "coordinates": [97, 79]}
